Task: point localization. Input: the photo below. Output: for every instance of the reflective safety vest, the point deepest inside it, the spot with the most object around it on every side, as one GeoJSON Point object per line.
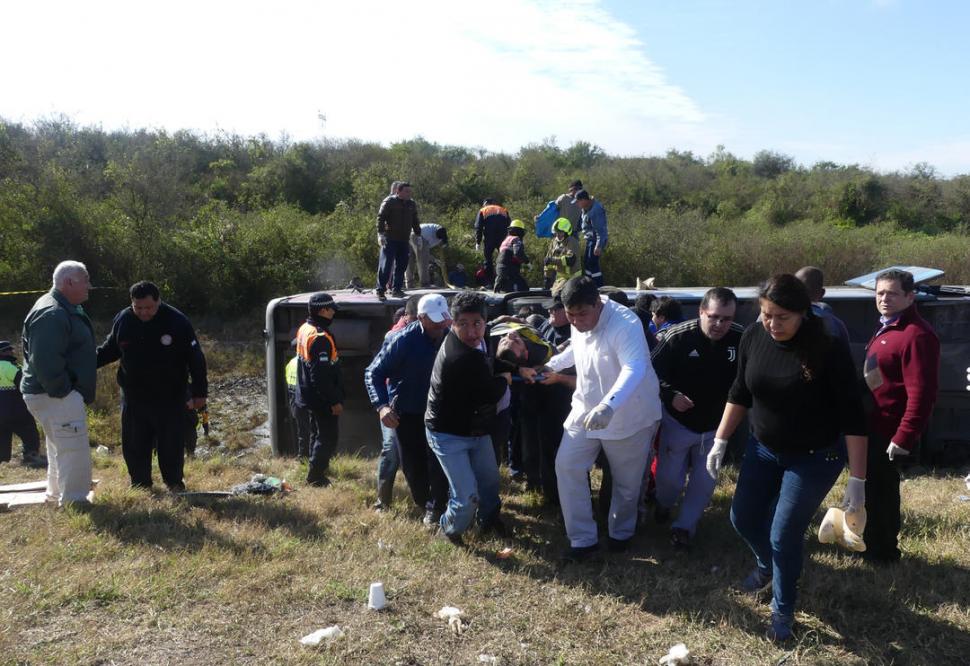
{"type": "Point", "coordinates": [8, 373]}
{"type": "Point", "coordinates": [291, 371]}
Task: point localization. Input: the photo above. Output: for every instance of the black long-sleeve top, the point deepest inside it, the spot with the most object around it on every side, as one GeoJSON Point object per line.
{"type": "Point", "coordinates": [790, 413]}
{"type": "Point", "coordinates": [463, 391]}
{"type": "Point", "coordinates": [157, 356]}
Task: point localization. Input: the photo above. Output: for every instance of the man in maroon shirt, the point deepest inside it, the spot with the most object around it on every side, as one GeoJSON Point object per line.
{"type": "Point", "coordinates": [902, 370]}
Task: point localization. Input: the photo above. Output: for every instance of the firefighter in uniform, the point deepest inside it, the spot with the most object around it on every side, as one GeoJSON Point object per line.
{"type": "Point", "coordinates": [491, 227]}
{"type": "Point", "coordinates": [562, 260]}
{"type": "Point", "coordinates": [511, 256]}
{"type": "Point", "coordinates": [319, 387]}
{"type": "Point", "coordinates": [158, 351]}
{"type": "Point", "coordinates": [15, 419]}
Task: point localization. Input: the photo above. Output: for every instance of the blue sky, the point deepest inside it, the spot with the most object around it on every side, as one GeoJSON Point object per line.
{"type": "Point", "coordinates": [881, 83]}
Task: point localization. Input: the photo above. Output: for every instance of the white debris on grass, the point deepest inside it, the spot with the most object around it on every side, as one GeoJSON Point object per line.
{"type": "Point", "coordinates": [329, 634]}
{"type": "Point", "coordinates": [454, 617]}
{"type": "Point", "coordinates": [678, 655]}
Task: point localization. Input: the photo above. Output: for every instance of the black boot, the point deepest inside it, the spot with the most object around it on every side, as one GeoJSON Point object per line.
{"type": "Point", "coordinates": [317, 477]}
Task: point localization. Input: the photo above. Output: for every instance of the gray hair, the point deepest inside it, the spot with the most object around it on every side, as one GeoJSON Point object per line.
{"type": "Point", "coordinates": [68, 269]}
{"type": "Point", "coordinates": [395, 186]}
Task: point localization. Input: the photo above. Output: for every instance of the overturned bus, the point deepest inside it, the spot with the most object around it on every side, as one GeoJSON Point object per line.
{"type": "Point", "coordinates": [363, 320]}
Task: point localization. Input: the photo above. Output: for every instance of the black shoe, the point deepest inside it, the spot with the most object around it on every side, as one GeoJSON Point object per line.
{"type": "Point", "coordinates": [398, 293]}
{"type": "Point", "coordinates": [617, 545]}
{"type": "Point", "coordinates": [580, 553]}
{"type": "Point", "coordinates": [680, 539]}
{"type": "Point", "coordinates": [495, 526]}
{"type": "Point", "coordinates": [453, 539]}
{"type": "Point", "coordinates": [661, 514]}
{"type": "Point", "coordinates": [880, 558]}
{"type": "Point", "coordinates": [317, 478]}
{"type": "Point", "coordinates": [380, 507]}
{"type": "Point", "coordinates": [35, 460]}
{"type": "Point", "coordinates": [380, 294]}
{"type": "Point", "coordinates": [176, 488]}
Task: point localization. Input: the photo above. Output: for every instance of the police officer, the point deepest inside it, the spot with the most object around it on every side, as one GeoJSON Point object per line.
{"type": "Point", "coordinates": [158, 351]}
{"type": "Point", "coordinates": [14, 417]}
{"type": "Point", "coordinates": [319, 385]}
{"type": "Point", "coordinates": [302, 419]}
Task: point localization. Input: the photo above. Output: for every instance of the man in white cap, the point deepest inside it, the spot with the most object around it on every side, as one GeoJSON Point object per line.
{"type": "Point", "coordinates": [397, 383]}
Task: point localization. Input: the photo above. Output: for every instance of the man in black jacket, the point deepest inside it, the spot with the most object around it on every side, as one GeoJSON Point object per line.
{"type": "Point", "coordinates": [319, 387]}
{"type": "Point", "coordinates": [397, 219]}
{"type": "Point", "coordinates": [461, 407]}
{"type": "Point", "coordinates": [158, 351]}
{"type": "Point", "coordinates": [696, 363]}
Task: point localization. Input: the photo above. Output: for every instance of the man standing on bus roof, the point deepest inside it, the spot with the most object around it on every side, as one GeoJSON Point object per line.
{"type": "Point", "coordinates": [901, 370]}
{"type": "Point", "coordinates": [397, 219]}
{"type": "Point", "coordinates": [595, 232]}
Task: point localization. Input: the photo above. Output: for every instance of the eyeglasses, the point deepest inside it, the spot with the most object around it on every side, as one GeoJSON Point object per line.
{"type": "Point", "coordinates": [718, 320]}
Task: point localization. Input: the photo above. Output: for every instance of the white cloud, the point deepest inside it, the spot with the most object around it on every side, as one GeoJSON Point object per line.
{"type": "Point", "coordinates": [497, 75]}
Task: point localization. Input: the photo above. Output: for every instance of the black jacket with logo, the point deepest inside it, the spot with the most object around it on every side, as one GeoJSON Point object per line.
{"type": "Point", "coordinates": [157, 357]}
{"type": "Point", "coordinates": [688, 362]}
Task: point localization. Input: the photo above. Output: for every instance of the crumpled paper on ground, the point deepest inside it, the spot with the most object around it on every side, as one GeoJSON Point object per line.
{"type": "Point", "coordinates": [329, 633]}
{"type": "Point", "coordinates": [454, 617]}
{"type": "Point", "coordinates": [678, 655]}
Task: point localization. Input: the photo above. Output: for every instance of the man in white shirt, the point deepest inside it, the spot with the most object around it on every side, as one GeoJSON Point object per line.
{"type": "Point", "coordinates": [432, 235]}
{"type": "Point", "coordinates": [615, 408]}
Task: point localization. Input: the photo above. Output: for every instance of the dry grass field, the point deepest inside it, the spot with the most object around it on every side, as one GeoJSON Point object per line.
{"type": "Point", "coordinates": [144, 578]}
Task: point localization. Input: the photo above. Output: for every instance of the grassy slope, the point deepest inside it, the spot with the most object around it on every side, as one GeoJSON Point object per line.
{"type": "Point", "coordinates": [142, 579]}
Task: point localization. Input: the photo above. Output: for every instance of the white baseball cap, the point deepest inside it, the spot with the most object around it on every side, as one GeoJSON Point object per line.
{"type": "Point", "coordinates": [435, 307]}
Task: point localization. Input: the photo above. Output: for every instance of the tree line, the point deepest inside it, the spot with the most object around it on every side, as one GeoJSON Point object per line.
{"type": "Point", "coordinates": [225, 222]}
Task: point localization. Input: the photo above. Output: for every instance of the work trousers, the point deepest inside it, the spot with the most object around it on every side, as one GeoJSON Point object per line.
{"type": "Point", "coordinates": [65, 424]}
{"type": "Point", "coordinates": [302, 424]}
{"type": "Point", "coordinates": [23, 427]}
{"type": "Point", "coordinates": [148, 426]}
{"type": "Point", "coordinates": [627, 458]}
{"type": "Point", "coordinates": [394, 259]}
{"type": "Point", "coordinates": [682, 452]}
{"type": "Point", "coordinates": [323, 439]}
{"type": "Point", "coordinates": [882, 502]}
{"type": "Point", "coordinates": [591, 264]}
{"type": "Point", "coordinates": [774, 501]}
{"type": "Point", "coordinates": [426, 480]}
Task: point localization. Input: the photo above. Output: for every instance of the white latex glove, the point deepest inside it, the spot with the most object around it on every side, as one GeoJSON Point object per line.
{"type": "Point", "coordinates": [855, 495]}
{"type": "Point", "coordinates": [716, 457]}
{"type": "Point", "coordinates": [893, 450]}
{"type": "Point", "coordinates": [478, 247]}
{"type": "Point", "coordinates": [382, 240]}
{"type": "Point", "coordinates": [598, 417]}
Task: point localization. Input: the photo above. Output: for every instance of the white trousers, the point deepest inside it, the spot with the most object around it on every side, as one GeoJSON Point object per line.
{"type": "Point", "coordinates": [681, 451]}
{"type": "Point", "coordinates": [628, 459]}
{"type": "Point", "coordinates": [65, 424]}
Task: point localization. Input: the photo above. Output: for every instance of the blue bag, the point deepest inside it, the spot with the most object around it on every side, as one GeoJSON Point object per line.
{"type": "Point", "coordinates": [546, 219]}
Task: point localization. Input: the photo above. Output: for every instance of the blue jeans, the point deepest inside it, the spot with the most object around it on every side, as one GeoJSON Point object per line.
{"type": "Point", "coordinates": [387, 463]}
{"type": "Point", "coordinates": [776, 497]}
{"type": "Point", "coordinates": [394, 255]}
{"type": "Point", "coordinates": [473, 480]}
{"type": "Point", "coordinates": [591, 263]}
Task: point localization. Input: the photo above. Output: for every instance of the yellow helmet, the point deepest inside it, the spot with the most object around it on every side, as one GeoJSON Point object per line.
{"type": "Point", "coordinates": [564, 225]}
{"type": "Point", "coordinates": [517, 224]}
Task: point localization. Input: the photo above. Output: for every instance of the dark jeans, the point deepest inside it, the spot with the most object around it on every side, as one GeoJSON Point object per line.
{"type": "Point", "coordinates": [324, 438]}
{"type": "Point", "coordinates": [25, 428]}
{"type": "Point", "coordinates": [302, 423]}
{"type": "Point", "coordinates": [775, 499]}
{"type": "Point", "coordinates": [528, 434]}
{"type": "Point", "coordinates": [387, 464]}
{"type": "Point", "coordinates": [555, 403]}
{"type": "Point", "coordinates": [882, 503]}
{"type": "Point", "coordinates": [591, 264]}
{"type": "Point", "coordinates": [490, 245]}
{"type": "Point", "coordinates": [158, 425]}
{"type": "Point", "coordinates": [394, 255]}
{"type": "Point", "coordinates": [501, 435]}
{"type": "Point", "coordinates": [426, 479]}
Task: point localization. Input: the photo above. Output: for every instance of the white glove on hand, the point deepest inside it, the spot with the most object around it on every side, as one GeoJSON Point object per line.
{"type": "Point", "coordinates": [894, 451]}
{"type": "Point", "coordinates": [716, 457]}
{"type": "Point", "coordinates": [598, 417]}
{"type": "Point", "coordinates": [478, 247]}
{"type": "Point", "coordinates": [382, 240]}
{"type": "Point", "coordinates": [855, 495]}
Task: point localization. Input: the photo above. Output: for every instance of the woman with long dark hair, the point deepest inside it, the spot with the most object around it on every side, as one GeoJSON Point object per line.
{"type": "Point", "coordinates": [800, 393]}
